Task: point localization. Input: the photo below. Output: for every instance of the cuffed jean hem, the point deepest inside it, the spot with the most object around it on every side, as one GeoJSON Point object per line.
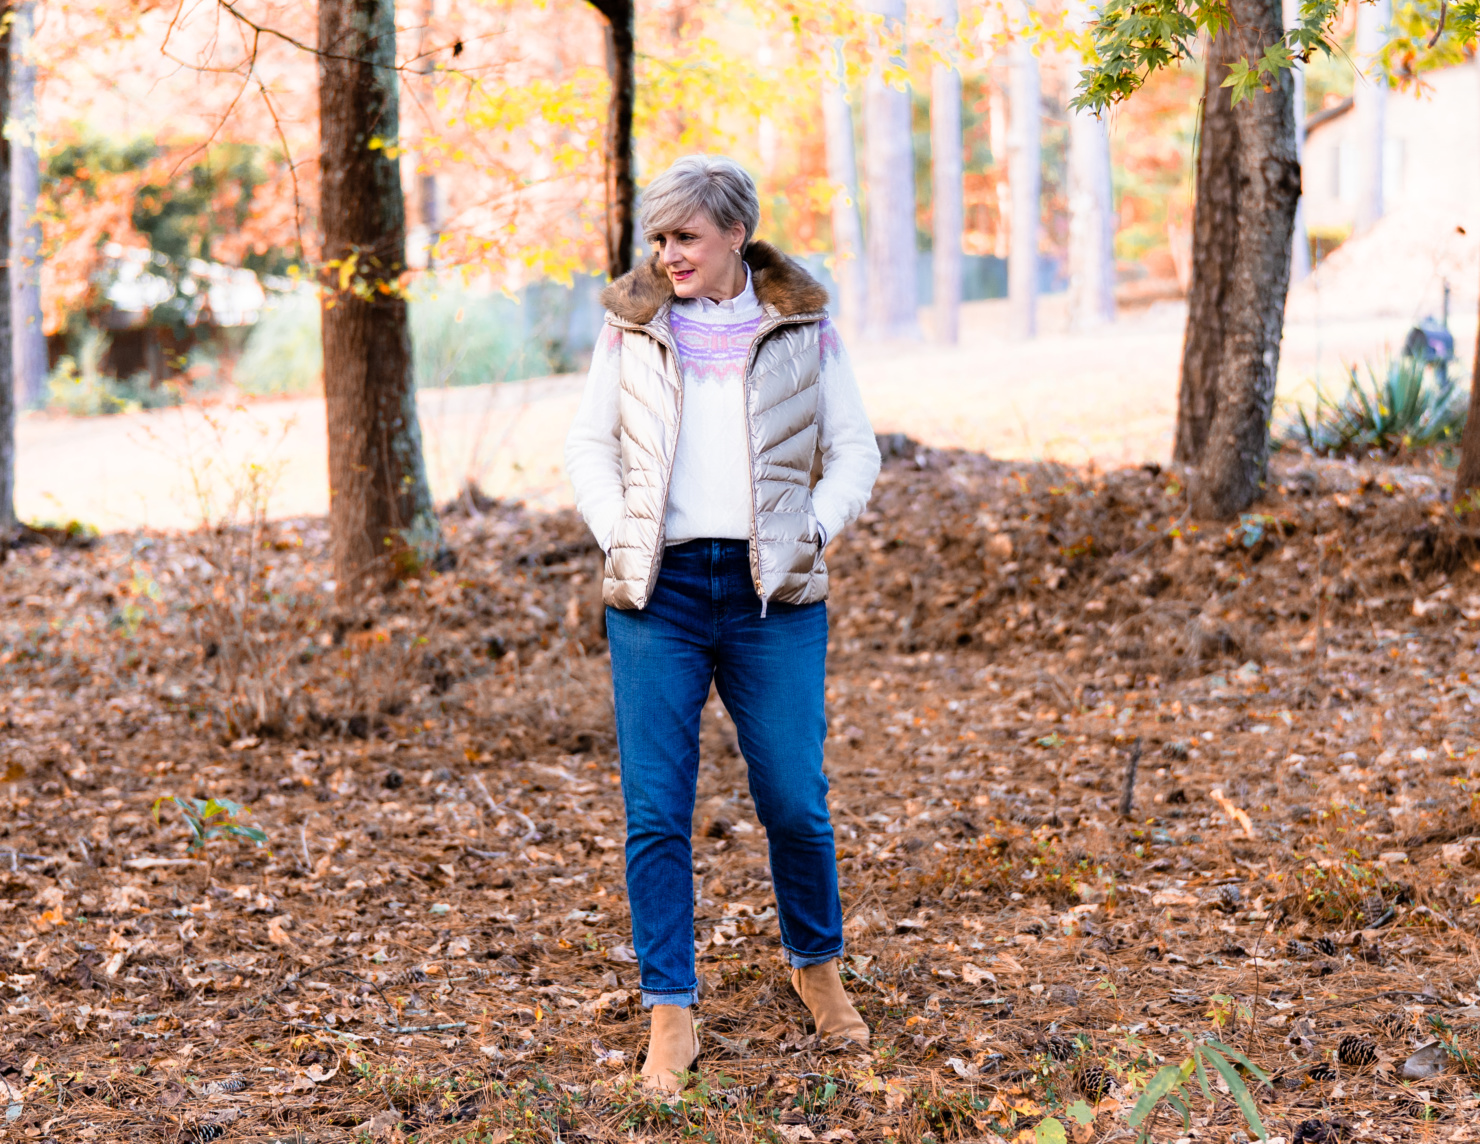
{"type": "Point", "coordinates": [803, 960]}
{"type": "Point", "coordinates": [685, 999]}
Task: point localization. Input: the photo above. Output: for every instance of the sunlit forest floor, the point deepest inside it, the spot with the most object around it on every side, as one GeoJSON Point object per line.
{"type": "Point", "coordinates": [435, 943]}
{"type": "Point", "coordinates": [1109, 398]}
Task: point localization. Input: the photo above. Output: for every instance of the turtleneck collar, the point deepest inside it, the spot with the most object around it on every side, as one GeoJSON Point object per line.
{"type": "Point", "coordinates": [741, 303]}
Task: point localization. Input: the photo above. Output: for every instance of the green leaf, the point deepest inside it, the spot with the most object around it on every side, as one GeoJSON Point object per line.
{"type": "Point", "coordinates": [1050, 1131]}
{"type": "Point", "coordinates": [1230, 1051]}
{"type": "Point", "coordinates": [1081, 1112]}
{"type": "Point", "coordinates": [1277, 58]}
{"type": "Point", "coordinates": [1168, 1079]}
{"type": "Point", "coordinates": [1202, 1075]}
{"type": "Point", "coordinates": [1238, 1090]}
{"type": "Point", "coordinates": [1182, 1110]}
{"type": "Point", "coordinates": [1242, 80]}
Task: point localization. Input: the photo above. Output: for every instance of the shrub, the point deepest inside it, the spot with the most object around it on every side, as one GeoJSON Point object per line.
{"type": "Point", "coordinates": [283, 353]}
{"type": "Point", "coordinates": [459, 336]}
{"type": "Point", "coordinates": [78, 385]}
{"type": "Point", "coordinates": [465, 337]}
{"type": "Point", "coordinates": [1396, 411]}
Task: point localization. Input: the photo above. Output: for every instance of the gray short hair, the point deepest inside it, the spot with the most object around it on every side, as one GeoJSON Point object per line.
{"type": "Point", "coordinates": [714, 184]}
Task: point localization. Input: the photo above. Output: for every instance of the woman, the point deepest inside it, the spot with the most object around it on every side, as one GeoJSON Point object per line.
{"type": "Point", "coordinates": [720, 443]}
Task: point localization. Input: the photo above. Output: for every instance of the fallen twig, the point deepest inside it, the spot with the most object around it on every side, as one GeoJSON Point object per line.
{"type": "Point", "coordinates": [1128, 795]}
{"type": "Point", "coordinates": [1375, 997]}
{"type": "Point", "coordinates": [398, 1029]}
{"type": "Point", "coordinates": [348, 1036]}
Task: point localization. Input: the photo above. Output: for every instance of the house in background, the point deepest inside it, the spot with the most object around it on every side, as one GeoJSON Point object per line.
{"type": "Point", "coordinates": [1431, 155]}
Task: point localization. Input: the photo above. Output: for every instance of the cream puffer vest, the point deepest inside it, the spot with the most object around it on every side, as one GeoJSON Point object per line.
{"type": "Point", "coordinates": [781, 391]}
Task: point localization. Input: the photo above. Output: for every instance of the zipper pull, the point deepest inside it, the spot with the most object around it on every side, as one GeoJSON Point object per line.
{"type": "Point", "coordinates": [763, 607]}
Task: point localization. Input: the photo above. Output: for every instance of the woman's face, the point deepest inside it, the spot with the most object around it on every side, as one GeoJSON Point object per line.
{"type": "Point", "coordinates": [702, 260]}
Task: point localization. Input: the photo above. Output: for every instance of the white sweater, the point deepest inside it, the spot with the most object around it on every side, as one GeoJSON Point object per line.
{"type": "Point", "coordinates": [709, 497]}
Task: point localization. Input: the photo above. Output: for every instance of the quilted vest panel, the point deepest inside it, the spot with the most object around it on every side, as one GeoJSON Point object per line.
{"type": "Point", "coordinates": [781, 390]}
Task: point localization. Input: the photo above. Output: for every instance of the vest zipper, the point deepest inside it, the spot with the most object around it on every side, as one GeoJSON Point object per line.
{"type": "Point", "coordinates": [657, 563]}
{"type": "Point", "coordinates": [761, 333]}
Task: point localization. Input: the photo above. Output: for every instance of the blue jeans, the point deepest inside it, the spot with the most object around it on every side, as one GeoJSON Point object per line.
{"type": "Point", "coordinates": [704, 623]}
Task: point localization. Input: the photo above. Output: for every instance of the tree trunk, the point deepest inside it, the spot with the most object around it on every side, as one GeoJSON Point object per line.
{"type": "Point", "coordinates": [1091, 210]}
{"type": "Point", "coordinates": [25, 226]}
{"type": "Point", "coordinates": [1300, 241]}
{"type": "Point", "coordinates": [1248, 182]}
{"type": "Point", "coordinates": [380, 508]}
{"type": "Point", "coordinates": [1091, 223]}
{"type": "Point", "coordinates": [1369, 107]}
{"type": "Point", "coordinates": [621, 187]}
{"type": "Point", "coordinates": [1025, 177]}
{"type": "Point", "coordinates": [999, 135]}
{"type": "Point", "coordinates": [842, 172]}
{"type": "Point", "coordinates": [1467, 479]}
{"type": "Point", "coordinates": [7, 360]}
{"type": "Point", "coordinates": [892, 296]}
{"type": "Point", "coordinates": [427, 202]}
{"type": "Point", "coordinates": [947, 207]}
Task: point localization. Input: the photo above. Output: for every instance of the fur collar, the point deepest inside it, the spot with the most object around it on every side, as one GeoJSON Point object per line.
{"type": "Point", "coordinates": [778, 282]}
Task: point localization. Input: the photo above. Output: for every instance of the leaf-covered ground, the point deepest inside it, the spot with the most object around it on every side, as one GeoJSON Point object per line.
{"type": "Point", "coordinates": [436, 943]}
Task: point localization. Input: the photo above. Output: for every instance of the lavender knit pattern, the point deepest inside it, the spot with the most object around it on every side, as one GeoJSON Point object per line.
{"type": "Point", "coordinates": [712, 351]}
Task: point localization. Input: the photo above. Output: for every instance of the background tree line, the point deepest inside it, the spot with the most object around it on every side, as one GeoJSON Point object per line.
{"type": "Point", "coordinates": [1244, 244]}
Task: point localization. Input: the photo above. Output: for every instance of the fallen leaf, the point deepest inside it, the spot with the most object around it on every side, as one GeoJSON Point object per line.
{"type": "Point", "coordinates": [1429, 1061]}
{"type": "Point", "coordinates": [1233, 812]}
{"type": "Point", "coordinates": [277, 927]}
{"type": "Point", "coordinates": [381, 1124]}
{"type": "Point", "coordinates": [1175, 899]}
{"type": "Point", "coordinates": [975, 975]}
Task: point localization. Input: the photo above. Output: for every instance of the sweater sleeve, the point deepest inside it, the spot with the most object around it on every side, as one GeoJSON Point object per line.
{"type": "Point", "coordinates": [593, 447]}
{"type": "Point", "coordinates": [850, 451]}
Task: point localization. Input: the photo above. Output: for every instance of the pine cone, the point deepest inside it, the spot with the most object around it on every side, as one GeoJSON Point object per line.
{"type": "Point", "coordinates": [1394, 1022]}
{"type": "Point", "coordinates": [1325, 946]}
{"type": "Point", "coordinates": [1317, 1132]}
{"type": "Point", "coordinates": [1374, 911]}
{"type": "Point", "coordinates": [1297, 950]}
{"type": "Point", "coordinates": [234, 1083]}
{"type": "Point", "coordinates": [1229, 898]}
{"type": "Point", "coordinates": [1062, 1048]}
{"type": "Point", "coordinates": [1321, 1070]}
{"type": "Point", "coordinates": [1094, 1082]}
{"type": "Point", "coordinates": [410, 976]}
{"type": "Point", "coordinates": [1356, 1051]}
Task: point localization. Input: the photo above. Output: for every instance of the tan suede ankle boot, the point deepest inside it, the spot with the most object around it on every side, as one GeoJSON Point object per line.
{"type": "Point", "coordinates": [821, 989]}
{"type": "Point", "coordinates": [673, 1047]}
